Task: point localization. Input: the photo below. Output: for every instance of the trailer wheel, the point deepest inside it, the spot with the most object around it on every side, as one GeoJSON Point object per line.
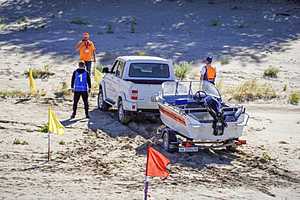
{"type": "Point", "coordinates": [231, 148]}
{"type": "Point", "coordinates": [169, 141]}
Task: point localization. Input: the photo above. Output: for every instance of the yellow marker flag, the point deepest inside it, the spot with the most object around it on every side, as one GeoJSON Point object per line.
{"type": "Point", "coordinates": [98, 76]}
{"type": "Point", "coordinates": [54, 124]}
{"type": "Point", "coordinates": [31, 81]}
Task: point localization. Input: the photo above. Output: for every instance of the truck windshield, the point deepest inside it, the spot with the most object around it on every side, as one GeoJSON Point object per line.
{"type": "Point", "coordinates": [149, 70]}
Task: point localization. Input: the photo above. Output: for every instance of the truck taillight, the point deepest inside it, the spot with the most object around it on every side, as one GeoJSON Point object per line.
{"type": "Point", "coordinates": [134, 94]}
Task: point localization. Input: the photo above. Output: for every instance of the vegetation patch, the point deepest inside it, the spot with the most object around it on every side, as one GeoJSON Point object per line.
{"type": "Point", "coordinates": [182, 69]}
{"type": "Point", "coordinates": [2, 24]}
{"type": "Point", "coordinates": [109, 28]}
{"type": "Point", "coordinates": [44, 128]}
{"type": "Point", "coordinates": [79, 21]}
{"type": "Point", "coordinates": [63, 90]}
{"type": "Point", "coordinates": [140, 53]}
{"type": "Point", "coordinates": [42, 73]}
{"type": "Point", "coordinates": [20, 142]}
{"type": "Point", "coordinates": [61, 142]}
{"type": "Point", "coordinates": [224, 60]}
{"type": "Point", "coordinates": [133, 24]}
{"type": "Point", "coordinates": [252, 90]}
{"type": "Point", "coordinates": [271, 72]}
{"type": "Point", "coordinates": [215, 22]}
{"type": "Point", "coordinates": [13, 94]}
{"type": "Point", "coordinates": [294, 98]}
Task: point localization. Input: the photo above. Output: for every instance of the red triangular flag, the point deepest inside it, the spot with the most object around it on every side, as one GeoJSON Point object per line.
{"type": "Point", "coordinates": [156, 163]}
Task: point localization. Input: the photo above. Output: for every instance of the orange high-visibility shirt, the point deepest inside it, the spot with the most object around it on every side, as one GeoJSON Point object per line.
{"type": "Point", "coordinates": [211, 73]}
{"type": "Point", "coordinates": [86, 50]}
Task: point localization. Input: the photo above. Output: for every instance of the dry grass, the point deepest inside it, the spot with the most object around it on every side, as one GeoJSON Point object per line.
{"type": "Point", "coordinates": [20, 94]}
{"type": "Point", "coordinates": [63, 90]}
{"type": "Point", "coordinates": [224, 60]}
{"type": "Point", "coordinates": [271, 72]}
{"type": "Point", "coordinates": [13, 94]}
{"type": "Point", "coordinates": [140, 53]}
{"type": "Point", "coordinates": [182, 70]}
{"type": "Point", "coordinates": [42, 73]}
{"type": "Point", "coordinates": [251, 91]}
{"type": "Point", "coordinates": [294, 98]}
{"type": "Point", "coordinates": [21, 142]}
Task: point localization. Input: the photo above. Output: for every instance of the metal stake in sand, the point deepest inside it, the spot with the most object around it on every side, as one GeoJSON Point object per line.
{"type": "Point", "coordinates": [49, 144]}
{"type": "Point", "coordinates": [54, 126]}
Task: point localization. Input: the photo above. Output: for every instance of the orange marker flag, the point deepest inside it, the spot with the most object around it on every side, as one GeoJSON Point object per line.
{"type": "Point", "coordinates": [156, 163]}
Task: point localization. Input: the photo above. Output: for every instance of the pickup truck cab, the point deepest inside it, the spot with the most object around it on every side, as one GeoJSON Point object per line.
{"type": "Point", "coordinates": [132, 84]}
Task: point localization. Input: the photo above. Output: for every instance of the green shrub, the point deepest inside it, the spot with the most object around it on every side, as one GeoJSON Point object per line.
{"type": "Point", "coordinates": [109, 28]}
{"type": "Point", "coordinates": [294, 98]}
{"type": "Point", "coordinates": [271, 72]}
{"type": "Point", "coordinates": [44, 128]}
{"type": "Point", "coordinates": [133, 25]}
{"type": "Point", "coordinates": [2, 24]}
{"type": "Point", "coordinates": [252, 90]}
{"type": "Point", "coordinates": [182, 70]}
{"type": "Point", "coordinates": [215, 22]}
{"type": "Point", "coordinates": [40, 73]}
{"type": "Point", "coordinates": [61, 142]}
{"type": "Point", "coordinates": [79, 21]}
{"type": "Point", "coordinates": [21, 142]}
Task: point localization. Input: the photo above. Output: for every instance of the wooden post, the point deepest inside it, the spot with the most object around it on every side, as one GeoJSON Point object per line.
{"type": "Point", "coordinates": [49, 142]}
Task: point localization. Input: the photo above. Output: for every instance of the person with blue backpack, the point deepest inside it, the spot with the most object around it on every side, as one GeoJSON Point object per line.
{"type": "Point", "coordinates": [81, 87]}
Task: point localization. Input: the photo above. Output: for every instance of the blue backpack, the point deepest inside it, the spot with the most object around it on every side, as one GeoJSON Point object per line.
{"type": "Point", "coordinates": [81, 82]}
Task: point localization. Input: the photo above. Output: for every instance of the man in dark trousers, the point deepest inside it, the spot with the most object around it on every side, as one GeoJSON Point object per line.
{"type": "Point", "coordinates": [81, 86]}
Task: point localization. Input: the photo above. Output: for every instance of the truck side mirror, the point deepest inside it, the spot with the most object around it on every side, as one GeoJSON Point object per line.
{"type": "Point", "coordinates": [105, 70]}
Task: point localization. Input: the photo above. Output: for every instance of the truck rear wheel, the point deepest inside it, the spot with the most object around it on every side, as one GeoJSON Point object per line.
{"type": "Point", "coordinates": [102, 105]}
{"type": "Point", "coordinates": [123, 115]}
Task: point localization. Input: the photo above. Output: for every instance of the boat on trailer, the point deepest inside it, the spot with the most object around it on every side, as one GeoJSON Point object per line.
{"type": "Point", "coordinates": [195, 111]}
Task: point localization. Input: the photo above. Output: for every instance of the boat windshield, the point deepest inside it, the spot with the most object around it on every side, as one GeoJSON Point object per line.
{"type": "Point", "coordinates": [174, 88]}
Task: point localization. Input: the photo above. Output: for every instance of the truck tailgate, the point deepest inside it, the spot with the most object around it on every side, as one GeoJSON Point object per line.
{"type": "Point", "coordinates": [146, 95]}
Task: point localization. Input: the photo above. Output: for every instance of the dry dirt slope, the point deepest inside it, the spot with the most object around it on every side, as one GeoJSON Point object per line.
{"type": "Point", "coordinates": [97, 163]}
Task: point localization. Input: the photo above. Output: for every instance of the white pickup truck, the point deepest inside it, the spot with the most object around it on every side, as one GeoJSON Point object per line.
{"type": "Point", "coordinates": [132, 84]}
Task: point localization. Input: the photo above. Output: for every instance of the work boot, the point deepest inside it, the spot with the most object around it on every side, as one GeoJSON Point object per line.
{"type": "Point", "coordinates": [87, 116]}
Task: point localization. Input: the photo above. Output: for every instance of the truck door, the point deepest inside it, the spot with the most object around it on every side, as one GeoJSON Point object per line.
{"type": "Point", "coordinates": [109, 83]}
{"type": "Point", "coordinates": [117, 81]}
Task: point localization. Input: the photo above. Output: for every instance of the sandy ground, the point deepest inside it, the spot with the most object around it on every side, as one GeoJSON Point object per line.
{"type": "Point", "coordinates": [103, 159]}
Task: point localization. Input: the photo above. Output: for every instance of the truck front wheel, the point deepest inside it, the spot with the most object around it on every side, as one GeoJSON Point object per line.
{"type": "Point", "coordinates": [123, 115]}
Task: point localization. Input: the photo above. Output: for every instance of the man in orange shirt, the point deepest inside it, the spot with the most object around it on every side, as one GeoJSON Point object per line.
{"type": "Point", "coordinates": [87, 51]}
{"type": "Point", "coordinates": [208, 72]}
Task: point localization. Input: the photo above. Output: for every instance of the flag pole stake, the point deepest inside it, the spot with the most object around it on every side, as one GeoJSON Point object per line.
{"type": "Point", "coordinates": [146, 184]}
{"type": "Point", "coordinates": [49, 147]}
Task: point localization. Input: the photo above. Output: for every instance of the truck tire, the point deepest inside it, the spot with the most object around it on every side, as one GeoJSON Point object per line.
{"type": "Point", "coordinates": [102, 105]}
{"type": "Point", "coordinates": [169, 140]}
{"type": "Point", "coordinates": [123, 115]}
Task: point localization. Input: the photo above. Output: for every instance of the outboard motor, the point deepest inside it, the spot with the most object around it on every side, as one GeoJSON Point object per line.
{"type": "Point", "coordinates": [214, 108]}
